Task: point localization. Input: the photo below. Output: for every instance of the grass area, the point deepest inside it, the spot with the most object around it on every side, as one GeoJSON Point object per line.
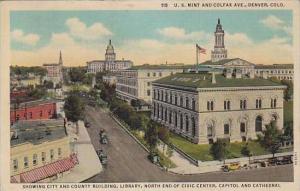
{"type": "Point", "coordinates": [165, 161]}
{"type": "Point", "coordinates": [202, 152]}
{"type": "Point", "coordinates": [288, 111]}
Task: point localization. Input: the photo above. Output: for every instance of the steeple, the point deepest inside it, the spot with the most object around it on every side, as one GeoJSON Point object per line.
{"type": "Point", "coordinates": [60, 59]}
{"type": "Point", "coordinates": [219, 52]}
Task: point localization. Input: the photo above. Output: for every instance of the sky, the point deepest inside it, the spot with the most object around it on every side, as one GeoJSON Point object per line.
{"type": "Point", "coordinates": [153, 37]}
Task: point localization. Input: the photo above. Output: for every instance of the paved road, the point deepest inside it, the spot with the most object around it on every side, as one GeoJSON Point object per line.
{"type": "Point", "coordinates": [127, 161]}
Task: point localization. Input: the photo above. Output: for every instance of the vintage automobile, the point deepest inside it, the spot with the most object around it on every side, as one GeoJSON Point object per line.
{"type": "Point", "coordinates": [102, 156]}
{"type": "Point", "coordinates": [231, 167]}
{"type": "Point", "coordinates": [103, 137]}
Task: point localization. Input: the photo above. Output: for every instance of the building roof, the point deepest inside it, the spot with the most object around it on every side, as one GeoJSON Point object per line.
{"type": "Point", "coordinates": [161, 66]}
{"type": "Point", "coordinates": [33, 103]}
{"type": "Point", "coordinates": [37, 131]}
{"type": "Point", "coordinates": [222, 62]}
{"type": "Point", "coordinates": [51, 64]}
{"type": "Point", "coordinates": [275, 66]}
{"type": "Point", "coordinates": [204, 80]}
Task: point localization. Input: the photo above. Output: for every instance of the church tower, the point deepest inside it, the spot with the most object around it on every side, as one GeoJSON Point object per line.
{"type": "Point", "coordinates": [219, 52]}
{"type": "Point", "coordinates": [60, 62]}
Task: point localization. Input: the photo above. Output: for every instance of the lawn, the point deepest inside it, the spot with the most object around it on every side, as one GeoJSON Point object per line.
{"type": "Point", "coordinates": [288, 111]}
{"type": "Point", "coordinates": [202, 152]}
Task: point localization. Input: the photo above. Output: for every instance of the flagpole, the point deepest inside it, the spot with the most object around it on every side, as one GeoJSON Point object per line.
{"type": "Point", "coordinates": [197, 61]}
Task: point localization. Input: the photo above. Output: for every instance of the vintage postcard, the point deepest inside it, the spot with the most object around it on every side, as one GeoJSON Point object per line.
{"type": "Point", "coordinates": [150, 95]}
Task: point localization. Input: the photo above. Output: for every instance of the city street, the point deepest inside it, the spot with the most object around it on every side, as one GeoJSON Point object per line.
{"type": "Point", "coordinates": [127, 161]}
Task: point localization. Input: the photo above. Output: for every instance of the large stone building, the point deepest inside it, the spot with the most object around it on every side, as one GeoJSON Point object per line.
{"type": "Point", "coordinates": [40, 151]}
{"type": "Point", "coordinates": [205, 106]}
{"type": "Point", "coordinates": [279, 71]}
{"type": "Point", "coordinates": [110, 63]}
{"type": "Point", "coordinates": [136, 82]}
{"type": "Point", "coordinates": [55, 71]}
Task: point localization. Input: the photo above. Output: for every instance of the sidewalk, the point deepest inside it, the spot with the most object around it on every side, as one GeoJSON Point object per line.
{"type": "Point", "coordinates": [89, 164]}
{"type": "Point", "coordinates": [183, 166]}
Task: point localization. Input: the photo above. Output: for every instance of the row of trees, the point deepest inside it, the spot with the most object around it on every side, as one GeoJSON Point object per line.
{"type": "Point", "coordinates": [24, 71]}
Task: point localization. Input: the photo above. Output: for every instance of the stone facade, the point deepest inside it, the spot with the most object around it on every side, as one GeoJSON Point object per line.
{"type": "Point", "coordinates": [110, 63]}
{"type": "Point", "coordinates": [279, 71]}
{"type": "Point", "coordinates": [136, 83]}
{"type": "Point", "coordinates": [204, 114]}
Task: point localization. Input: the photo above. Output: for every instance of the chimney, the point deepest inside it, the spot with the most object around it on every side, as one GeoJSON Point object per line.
{"type": "Point", "coordinates": [213, 79]}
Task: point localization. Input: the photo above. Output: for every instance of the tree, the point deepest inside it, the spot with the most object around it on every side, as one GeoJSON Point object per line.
{"type": "Point", "coordinates": [289, 91]}
{"type": "Point", "coordinates": [151, 135]}
{"type": "Point", "coordinates": [74, 108]}
{"type": "Point", "coordinates": [246, 151]}
{"type": "Point", "coordinates": [77, 74]}
{"type": "Point", "coordinates": [164, 135]}
{"type": "Point", "coordinates": [48, 84]}
{"type": "Point", "coordinates": [219, 149]}
{"type": "Point", "coordinates": [271, 138]}
{"type": "Point", "coordinates": [288, 129]}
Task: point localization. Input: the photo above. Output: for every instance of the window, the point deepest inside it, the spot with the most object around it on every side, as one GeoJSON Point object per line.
{"type": "Point", "coordinates": [258, 103]}
{"type": "Point", "coordinates": [227, 105]}
{"type": "Point", "coordinates": [148, 83]}
{"type": "Point", "coordinates": [148, 92]}
{"type": "Point", "coordinates": [181, 101]}
{"type": "Point", "coordinates": [243, 104]}
{"type": "Point", "coordinates": [175, 119]}
{"type": "Point", "coordinates": [181, 121]}
{"type": "Point", "coordinates": [193, 105]}
{"type": "Point", "coordinates": [210, 105]}
{"type": "Point", "coordinates": [154, 74]}
{"type": "Point", "coordinates": [160, 74]}
{"type": "Point", "coordinates": [209, 131]}
{"type": "Point", "coordinates": [34, 159]}
{"type": "Point", "coordinates": [171, 98]}
{"type": "Point", "coordinates": [258, 124]}
{"type": "Point", "coordinates": [243, 127]}
{"type": "Point", "coordinates": [166, 114]}
{"type": "Point", "coordinates": [186, 123]}
{"type": "Point", "coordinates": [18, 117]}
{"type": "Point", "coordinates": [30, 114]}
{"type": "Point", "coordinates": [43, 156]}
{"type": "Point", "coordinates": [41, 113]}
{"type": "Point", "coordinates": [148, 74]}
{"type": "Point", "coordinates": [193, 126]}
{"type": "Point", "coordinates": [51, 154]}
{"type": "Point", "coordinates": [176, 100]}
{"type": "Point", "coordinates": [226, 129]}
{"type": "Point", "coordinates": [166, 97]}
{"type": "Point", "coordinates": [170, 117]}
{"type": "Point", "coordinates": [273, 103]}
{"type": "Point", "coordinates": [15, 164]}
{"type": "Point", "coordinates": [187, 102]}
{"type": "Point", "coordinates": [25, 162]}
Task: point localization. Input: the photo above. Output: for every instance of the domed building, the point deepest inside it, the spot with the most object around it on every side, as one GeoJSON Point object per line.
{"type": "Point", "coordinates": [110, 63]}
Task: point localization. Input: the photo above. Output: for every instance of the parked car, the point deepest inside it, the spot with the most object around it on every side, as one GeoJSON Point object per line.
{"type": "Point", "coordinates": [103, 137]}
{"type": "Point", "coordinates": [102, 156]}
{"type": "Point", "coordinates": [284, 160]}
{"type": "Point", "coordinates": [231, 167]}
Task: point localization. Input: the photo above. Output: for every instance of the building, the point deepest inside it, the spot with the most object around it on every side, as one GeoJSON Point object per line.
{"type": "Point", "coordinates": [40, 151]}
{"type": "Point", "coordinates": [205, 106]}
{"type": "Point", "coordinates": [55, 71]}
{"type": "Point", "coordinates": [279, 71]}
{"type": "Point", "coordinates": [219, 52]}
{"type": "Point", "coordinates": [110, 79]}
{"type": "Point", "coordinates": [110, 63]}
{"type": "Point", "coordinates": [136, 83]}
{"type": "Point", "coordinates": [33, 110]}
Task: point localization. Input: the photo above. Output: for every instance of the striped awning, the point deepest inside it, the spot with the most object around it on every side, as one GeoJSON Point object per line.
{"type": "Point", "coordinates": [48, 170]}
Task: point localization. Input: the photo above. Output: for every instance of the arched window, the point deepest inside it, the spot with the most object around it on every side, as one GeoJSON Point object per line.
{"type": "Point", "coordinates": [193, 126]}
{"type": "Point", "coordinates": [175, 119]}
{"type": "Point", "coordinates": [170, 117]}
{"type": "Point", "coordinates": [226, 129]}
{"type": "Point", "coordinates": [187, 102]}
{"type": "Point", "coordinates": [227, 105]}
{"type": "Point", "coordinates": [181, 101]}
{"type": "Point", "coordinates": [181, 121]}
{"type": "Point", "coordinates": [258, 124]}
{"type": "Point", "coordinates": [166, 114]}
{"type": "Point", "coordinates": [193, 104]}
{"type": "Point", "coordinates": [209, 130]}
{"type": "Point", "coordinates": [186, 123]}
{"type": "Point", "coordinates": [243, 127]}
{"type": "Point", "coordinates": [176, 100]}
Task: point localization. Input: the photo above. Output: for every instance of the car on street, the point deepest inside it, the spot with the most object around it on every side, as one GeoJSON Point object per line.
{"type": "Point", "coordinates": [102, 156]}
{"type": "Point", "coordinates": [231, 167]}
